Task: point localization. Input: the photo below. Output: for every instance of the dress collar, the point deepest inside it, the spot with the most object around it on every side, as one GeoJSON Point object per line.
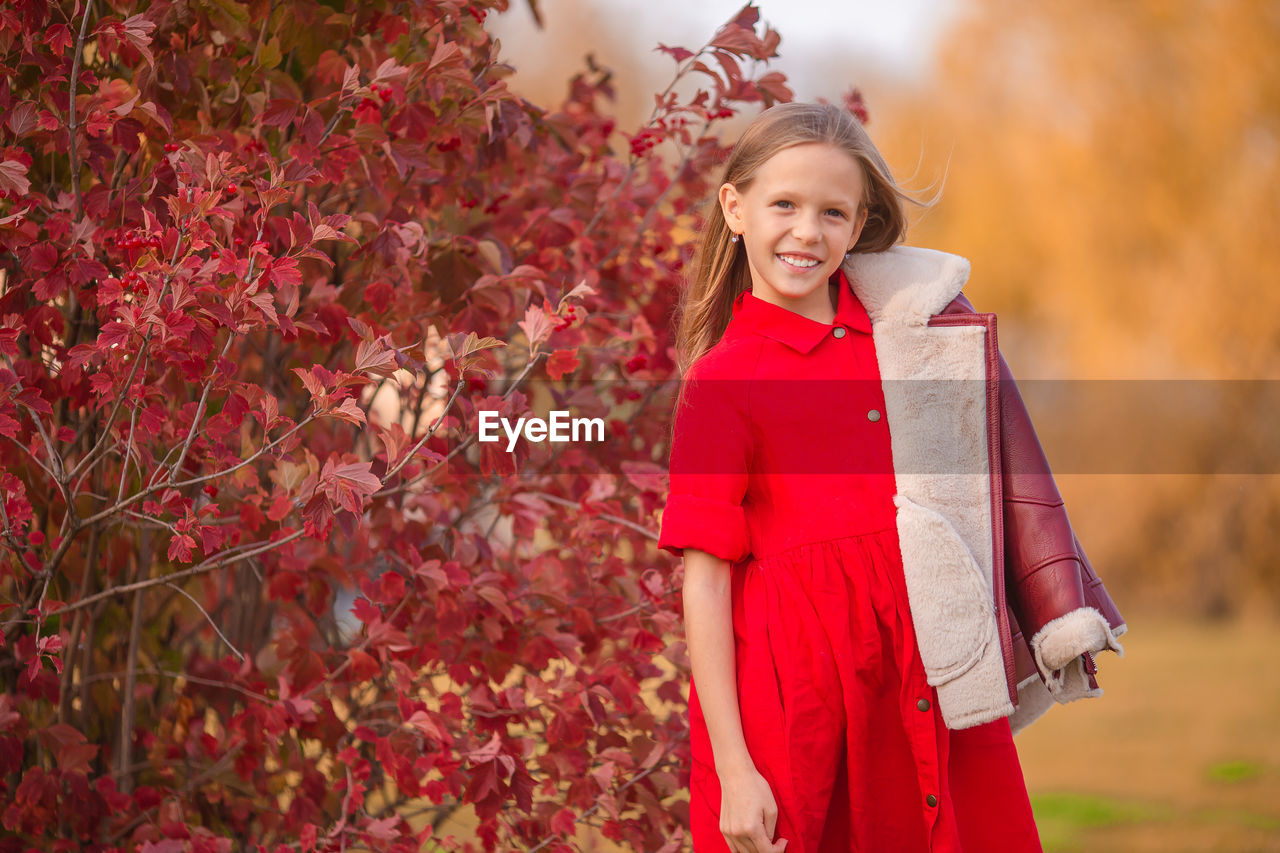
{"type": "Point", "coordinates": [751, 313]}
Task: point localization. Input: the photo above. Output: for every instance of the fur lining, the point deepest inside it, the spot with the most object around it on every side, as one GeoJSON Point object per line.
{"type": "Point", "coordinates": [1034, 700]}
{"type": "Point", "coordinates": [1058, 645]}
{"type": "Point", "coordinates": [938, 435]}
{"type": "Point", "coordinates": [906, 284]}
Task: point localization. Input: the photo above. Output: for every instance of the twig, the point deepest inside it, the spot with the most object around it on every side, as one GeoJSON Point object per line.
{"type": "Point", "coordinates": [89, 457]}
{"type": "Point", "coordinates": [128, 453]}
{"type": "Point", "coordinates": [186, 676]}
{"type": "Point", "coordinates": [199, 415]}
{"type": "Point", "coordinates": [608, 516]}
{"type": "Point", "coordinates": [462, 445]}
{"type": "Point", "coordinates": [186, 594]}
{"type": "Point", "coordinates": [625, 180]}
{"type": "Point", "coordinates": [340, 668]}
{"type": "Point", "coordinates": [129, 713]}
{"type": "Point", "coordinates": [216, 768]}
{"type": "Point", "coordinates": [207, 566]}
{"type": "Point", "coordinates": [72, 124]}
{"type": "Point", "coordinates": [431, 430]}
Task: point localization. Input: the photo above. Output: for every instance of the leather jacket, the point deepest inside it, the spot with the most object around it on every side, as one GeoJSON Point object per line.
{"type": "Point", "coordinates": [1046, 572]}
{"type": "Point", "coordinates": [1008, 611]}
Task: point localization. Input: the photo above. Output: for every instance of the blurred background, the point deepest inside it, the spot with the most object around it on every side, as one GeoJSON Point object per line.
{"type": "Point", "coordinates": [1110, 170]}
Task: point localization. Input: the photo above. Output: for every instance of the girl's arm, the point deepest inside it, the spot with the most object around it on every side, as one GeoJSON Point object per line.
{"type": "Point", "coordinates": [708, 613]}
{"type": "Point", "coordinates": [748, 808]}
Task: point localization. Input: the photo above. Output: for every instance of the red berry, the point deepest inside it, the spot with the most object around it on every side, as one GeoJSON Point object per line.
{"type": "Point", "coordinates": [233, 189]}
{"type": "Point", "coordinates": [211, 490]}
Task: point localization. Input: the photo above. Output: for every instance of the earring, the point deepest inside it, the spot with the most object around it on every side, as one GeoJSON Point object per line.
{"type": "Point", "coordinates": [848, 254]}
{"type": "Point", "coordinates": [734, 238]}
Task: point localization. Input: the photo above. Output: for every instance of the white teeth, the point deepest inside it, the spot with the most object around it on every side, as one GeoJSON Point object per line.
{"type": "Point", "coordinates": [799, 262]}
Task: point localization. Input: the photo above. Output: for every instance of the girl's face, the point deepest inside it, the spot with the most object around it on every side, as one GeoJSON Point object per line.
{"type": "Point", "coordinates": [799, 215]}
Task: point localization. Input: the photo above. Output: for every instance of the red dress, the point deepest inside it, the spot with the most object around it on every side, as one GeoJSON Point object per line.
{"type": "Point", "coordinates": [781, 464]}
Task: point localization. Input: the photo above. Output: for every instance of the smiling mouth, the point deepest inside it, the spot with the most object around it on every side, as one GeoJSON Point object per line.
{"type": "Point", "coordinates": [798, 262]}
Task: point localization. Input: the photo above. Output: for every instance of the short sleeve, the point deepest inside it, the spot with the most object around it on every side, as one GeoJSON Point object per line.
{"type": "Point", "coordinates": [710, 452]}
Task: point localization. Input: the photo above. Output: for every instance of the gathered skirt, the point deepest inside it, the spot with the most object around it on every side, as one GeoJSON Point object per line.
{"type": "Point", "coordinates": [840, 720]}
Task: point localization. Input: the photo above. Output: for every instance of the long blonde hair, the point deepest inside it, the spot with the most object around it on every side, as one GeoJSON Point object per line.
{"type": "Point", "coordinates": [720, 269]}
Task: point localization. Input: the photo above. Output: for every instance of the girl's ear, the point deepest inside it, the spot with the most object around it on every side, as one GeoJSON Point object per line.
{"type": "Point", "coordinates": [857, 228]}
{"type": "Point", "coordinates": [731, 207]}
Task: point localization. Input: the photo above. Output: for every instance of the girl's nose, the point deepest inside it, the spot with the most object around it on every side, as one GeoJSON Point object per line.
{"type": "Point", "coordinates": [806, 229]}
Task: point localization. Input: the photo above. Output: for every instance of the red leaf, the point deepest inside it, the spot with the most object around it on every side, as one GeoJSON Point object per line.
{"type": "Point", "coordinates": [423, 722]}
{"type": "Point", "coordinates": [646, 476]}
{"type": "Point", "coordinates": [748, 16]}
{"type": "Point", "coordinates": [22, 118]}
{"type": "Point", "coordinates": [736, 39]}
{"type": "Point", "coordinates": [70, 747]}
{"type": "Point", "coordinates": [348, 411]}
{"type": "Point", "coordinates": [774, 86]}
{"type": "Point", "coordinates": [279, 112]}
{"type": "Point", "coordinates": [375, 357]}
{"type": "Point", "coordinates": [564, 823]}
{"type": "Point", "coordinates": [383, 635]}
{"type": "Point", "coordinates": [309, 380]}
{"type": "Point", "coordinates": [13, 177]}
{"type": "Point", "coordinates": [384, 829]}
{"type": "Point", "coordinates": [679, 54]}
{"type": "Point", "coordinates": [562, 361]}
{"type": "Point", "coordinates": [266, 303]}
{"type": "Point", "coordinates": [364, 610]}
{"type": "Point", "coordinates": [390, 588]}
{"type": "Point", "coordinates": [137, 30]}
{"type": "Point", "coordinates": [363, 666]}
{"type": "Point", "coordinates": [180, 548]}
{"type": "Point", "coordinates": [536, 326]}
{"type": "Point", "coordinates": [347, 485]}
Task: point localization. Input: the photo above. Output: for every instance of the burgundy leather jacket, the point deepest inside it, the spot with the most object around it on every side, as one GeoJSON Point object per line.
{"type": "Point", "coordinates": [1046, 575]}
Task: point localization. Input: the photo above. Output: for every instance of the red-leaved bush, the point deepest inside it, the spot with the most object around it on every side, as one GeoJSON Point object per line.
{"type": "Point", "coordinates": [261, 588]}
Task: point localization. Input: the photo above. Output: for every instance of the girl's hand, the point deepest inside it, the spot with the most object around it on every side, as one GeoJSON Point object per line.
{"type": "Point", "coordinates": [748, 813]}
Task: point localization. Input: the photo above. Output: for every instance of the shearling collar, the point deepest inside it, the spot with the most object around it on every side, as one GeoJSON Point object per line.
{"type": "Point", "coordinates": [906, 284]}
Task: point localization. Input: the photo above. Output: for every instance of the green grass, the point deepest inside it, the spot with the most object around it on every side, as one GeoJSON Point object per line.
{"type": "Point", "coordinates": [1064, 818]}
{"type": "Point", "coordinates": [1234, 771]}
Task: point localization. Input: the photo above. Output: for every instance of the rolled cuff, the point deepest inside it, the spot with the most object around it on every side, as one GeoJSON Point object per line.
{"type": "Point", "coordinates": [1059, 647]}
{"type": "Point", "coordinates": [704, 524]}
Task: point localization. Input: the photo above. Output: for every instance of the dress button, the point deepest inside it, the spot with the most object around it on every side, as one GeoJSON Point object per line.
{"type": "Point", "coordinates": [873, 415]}
{"type": "Point", "coordinates": [923, 704]}
{"type": "Point", "coordinates": [931, 800]}
{"type": "Point", "coordinates": [838, 331]}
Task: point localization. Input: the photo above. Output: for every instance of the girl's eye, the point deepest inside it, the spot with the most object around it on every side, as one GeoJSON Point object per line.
{"type": "Point", "coordinates": [784, 203]}
{"type": "Point", "coordinates": [836, 212]}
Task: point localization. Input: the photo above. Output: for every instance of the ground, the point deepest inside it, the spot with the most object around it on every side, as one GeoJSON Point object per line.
{"type": "Point", "coordinates": [1182, 753]}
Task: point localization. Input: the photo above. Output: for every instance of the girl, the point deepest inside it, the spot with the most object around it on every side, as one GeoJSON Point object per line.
{"type": "Point", "coordinates": [867, 531]}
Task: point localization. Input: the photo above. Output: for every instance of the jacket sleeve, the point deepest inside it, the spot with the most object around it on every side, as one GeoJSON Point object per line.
{"type": "Point", "coordinates": [1059, 602]}
{"type": "Point", "coordinates": [711, 449]}
{"type": "Point", "coordinates": [1055, 592]}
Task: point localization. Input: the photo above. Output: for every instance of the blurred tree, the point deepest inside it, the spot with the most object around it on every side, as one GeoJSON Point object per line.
{"type": "Point", "coordinates": [1112, 180]}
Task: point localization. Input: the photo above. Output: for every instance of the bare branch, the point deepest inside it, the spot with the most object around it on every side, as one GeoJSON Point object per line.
{"type": "Point", "coordinates": [199, 415]}
{"type": "Point", "coordinates": [72, 122]}
{"type": "Point", "coordinates": [209, 618]}
{"type": "Point", "coordinates": [207, 566]}
{"type": "Point", "coordinates": [608, 516]}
